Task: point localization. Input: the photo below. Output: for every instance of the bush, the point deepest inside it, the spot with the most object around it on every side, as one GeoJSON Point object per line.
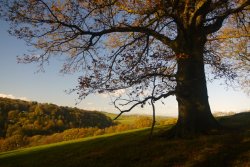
{"type": "Point", "coordinates": [13, 142]}
{"type": "Point", "coordinates": [142, 122]}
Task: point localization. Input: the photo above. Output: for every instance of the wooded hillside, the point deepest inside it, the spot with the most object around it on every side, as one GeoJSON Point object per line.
{"type": "Point", "coordinates": [27, 124]}
{"type": "Point", "coordinates": [23, 118]}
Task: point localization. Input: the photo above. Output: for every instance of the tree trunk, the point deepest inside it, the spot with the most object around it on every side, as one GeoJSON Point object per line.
{"type": "Point", "coordinates": [195, 116]}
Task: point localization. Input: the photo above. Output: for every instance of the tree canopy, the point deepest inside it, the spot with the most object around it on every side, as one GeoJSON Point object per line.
{"type": "Point", "coordinates": [140, 49]}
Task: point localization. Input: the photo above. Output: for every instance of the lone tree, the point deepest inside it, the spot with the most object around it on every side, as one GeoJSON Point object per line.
{"type": "Point", "coordinates": [145, 49]}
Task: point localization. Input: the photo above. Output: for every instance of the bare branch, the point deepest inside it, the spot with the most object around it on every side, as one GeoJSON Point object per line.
{"type": "Point", "coordinates": [142, 102]}
{"type": "Point", "coordinates": [219, 19]}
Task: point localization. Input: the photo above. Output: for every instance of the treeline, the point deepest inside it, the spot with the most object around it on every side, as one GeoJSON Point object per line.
{"type": "Point", "coordinates": [18, 117]}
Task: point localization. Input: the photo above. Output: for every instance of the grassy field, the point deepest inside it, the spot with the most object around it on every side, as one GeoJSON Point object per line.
{"type": "Point", "coordinates": [131, 119]}
{"type": "Point", "coordinates": [134, 148]}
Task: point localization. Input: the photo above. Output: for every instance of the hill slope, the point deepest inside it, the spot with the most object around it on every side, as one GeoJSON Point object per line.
{"type": "Point", "coordinates": [133, 148]}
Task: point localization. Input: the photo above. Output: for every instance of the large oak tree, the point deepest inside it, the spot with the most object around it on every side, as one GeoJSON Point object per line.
{"type": "Point", "coordinates": [145, 49]}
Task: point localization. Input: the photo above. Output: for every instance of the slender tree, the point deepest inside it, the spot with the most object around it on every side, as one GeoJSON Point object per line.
{"type": "Point", "coordinates": [146, 50]}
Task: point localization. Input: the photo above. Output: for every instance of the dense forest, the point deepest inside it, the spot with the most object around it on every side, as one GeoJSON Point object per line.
{"type": "Point", "coordinates": [18, 117]}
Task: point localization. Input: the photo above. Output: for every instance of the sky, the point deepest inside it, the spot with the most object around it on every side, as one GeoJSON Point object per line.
{"type": "Point", "coordinates": [22, 81]}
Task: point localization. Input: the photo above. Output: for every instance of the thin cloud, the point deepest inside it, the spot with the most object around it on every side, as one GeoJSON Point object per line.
{"type": "Point", "coordinates": [10, 96]}
{"type": "Point", "coordinates": [116, 93]}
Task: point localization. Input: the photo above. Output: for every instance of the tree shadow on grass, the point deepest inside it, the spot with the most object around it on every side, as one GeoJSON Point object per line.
{"type": "Point", "coordinates": [236, 147]}
{"type": "Point", "coordinates": [228, 155]}
{"type": "Point", "coordinates": [237, 121]}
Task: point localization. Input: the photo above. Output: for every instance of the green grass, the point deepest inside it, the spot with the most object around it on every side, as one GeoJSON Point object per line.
{"type": "Point", "coordinates": [134, 148]}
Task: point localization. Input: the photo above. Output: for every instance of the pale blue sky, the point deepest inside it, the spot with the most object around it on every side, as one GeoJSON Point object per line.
{"type": "Point", "coordinates": [21, 80]}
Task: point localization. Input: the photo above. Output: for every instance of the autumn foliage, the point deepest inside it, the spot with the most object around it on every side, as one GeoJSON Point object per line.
{"type": "Point", "coordinates": [20, 120]}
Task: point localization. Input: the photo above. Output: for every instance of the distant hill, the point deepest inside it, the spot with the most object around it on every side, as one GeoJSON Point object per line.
{"type": "Point", "coordinates": [18, 117]}
{"type": "Point", "coordinates": [221, 114]}
{"type": "Point", "coordinates": [133, 118]}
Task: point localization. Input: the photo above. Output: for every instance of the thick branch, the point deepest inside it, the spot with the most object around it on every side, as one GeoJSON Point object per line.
{"type": "Point", "coordinates": [144, 30]}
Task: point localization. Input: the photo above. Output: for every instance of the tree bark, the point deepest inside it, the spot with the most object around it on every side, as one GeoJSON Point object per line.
{"type": "Point", "coordinates": [195, 115]}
